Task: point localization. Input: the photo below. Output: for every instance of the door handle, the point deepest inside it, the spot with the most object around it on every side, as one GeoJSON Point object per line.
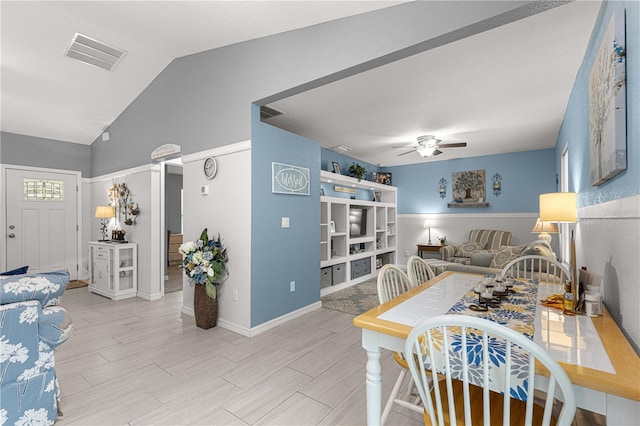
{"type": "Point", "coordinates": [12, 235]}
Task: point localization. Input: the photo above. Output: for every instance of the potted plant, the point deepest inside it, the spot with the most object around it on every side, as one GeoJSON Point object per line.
{"type": "Point", "coordinates": [205, 264]}
{"type": "Point", "coordinates": [357, 171]}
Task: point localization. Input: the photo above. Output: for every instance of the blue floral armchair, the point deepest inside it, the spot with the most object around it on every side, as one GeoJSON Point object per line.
{"type": "Point", "coordinates": [32, 325]}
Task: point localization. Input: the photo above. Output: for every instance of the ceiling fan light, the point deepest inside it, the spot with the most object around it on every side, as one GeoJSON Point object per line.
{"type": "Point", "coordinates": [426, 151]}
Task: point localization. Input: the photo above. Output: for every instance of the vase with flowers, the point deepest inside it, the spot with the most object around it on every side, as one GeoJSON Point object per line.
{"type": "Point", "coordinates": [205, 264]}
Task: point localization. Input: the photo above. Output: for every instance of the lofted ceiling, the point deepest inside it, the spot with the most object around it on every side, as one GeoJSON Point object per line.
{"type": "Point", "coordinates": [46, 94]}
{"type": "Point", "coordinates": [502, 90]}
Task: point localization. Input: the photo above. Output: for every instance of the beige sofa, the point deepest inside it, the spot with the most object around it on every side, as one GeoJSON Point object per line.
{"type": "Point", "coordinates": [482, 242]}
{"type": "Point", "coordinates": [487, 252]}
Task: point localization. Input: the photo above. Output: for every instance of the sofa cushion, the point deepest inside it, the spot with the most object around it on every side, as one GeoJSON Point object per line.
{"type": "Point", "coordinates": [505, 255]}
{"type": "Point", "coordinates": [466, 249]}
{"type": "Point", "coordinates": [47, 288]}
{"type": "Point", "coordinates": [538, 248]}
{"type": "Point", "coordinates": [491, 238]}
{"type": "Point", "coordinates": [482, 258]}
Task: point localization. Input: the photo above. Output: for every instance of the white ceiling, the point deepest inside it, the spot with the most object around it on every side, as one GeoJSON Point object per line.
{"type": "Point", "coordinates": [45, 94]}
{"type": "Point", "coordinates": [500, 91]}
{"type": "Point", "coordinates": [503, 90]}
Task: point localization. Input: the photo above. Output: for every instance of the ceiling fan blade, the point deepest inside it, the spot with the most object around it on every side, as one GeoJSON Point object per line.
{"type": "Point", "coordinates": [452, 145]}
{"type": "Point", "coordinates": [436, 152]}
{"type": "Point", "coordinates": [406, 145]}
{"type": "Point", "coordinates": [405, 153]}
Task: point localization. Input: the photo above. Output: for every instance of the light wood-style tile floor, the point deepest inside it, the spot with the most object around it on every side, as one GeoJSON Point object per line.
{"type": "Point", "coordinates": [135, 362]}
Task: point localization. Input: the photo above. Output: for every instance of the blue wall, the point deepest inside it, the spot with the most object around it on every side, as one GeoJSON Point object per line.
{"type": "Point", "coordinates": [525, 175]}
{"type": "Point", "coordinates": [326, 163]}
{"type": "Point", "coordinates": [281, 255]}
{"type": "Point", "coordinates": [574, 133]}
{"type": "Point", "coordinates": [22, 150]}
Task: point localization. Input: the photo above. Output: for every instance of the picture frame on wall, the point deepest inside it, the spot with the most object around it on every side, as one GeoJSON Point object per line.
{"type": "Point", "coordinates": [607, 105]}
{"type": "Point", "coordinates": [336, 167]}
{"type": "Point", "coordinates": [383, 178]}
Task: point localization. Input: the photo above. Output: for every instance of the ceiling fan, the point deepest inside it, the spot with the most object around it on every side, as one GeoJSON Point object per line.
{"type": "Point", "coordinates": [428, 145]}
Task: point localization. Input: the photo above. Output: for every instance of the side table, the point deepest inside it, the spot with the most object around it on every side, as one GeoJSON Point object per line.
{"type": "Point", "coordinates": [428, 248]}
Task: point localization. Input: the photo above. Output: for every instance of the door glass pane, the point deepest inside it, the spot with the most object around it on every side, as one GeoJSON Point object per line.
{"type": "Point", "coordinates": [43, 190]}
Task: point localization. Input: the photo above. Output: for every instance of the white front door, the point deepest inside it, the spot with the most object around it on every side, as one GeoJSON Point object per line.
{"type": "Point", "coordinates": [42, 221]}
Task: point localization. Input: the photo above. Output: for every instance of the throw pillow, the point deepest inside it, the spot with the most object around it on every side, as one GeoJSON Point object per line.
{"type": "Point", "coordinates": [17, 271]}
{"type": "Point", "coordinates": [465, 250]}
{"type": "Point", "coordinates": [538, 248]}
{"type": "Point", "coordinates": [505, 255]}
{"type": "Point", "coordinates": [482, 258]}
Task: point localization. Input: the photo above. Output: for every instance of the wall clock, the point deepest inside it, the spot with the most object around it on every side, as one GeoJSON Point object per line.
{"type": "Point", "coordinates": [210, 167]}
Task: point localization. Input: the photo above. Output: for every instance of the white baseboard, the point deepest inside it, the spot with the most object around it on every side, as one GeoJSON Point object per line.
{"type": "Point", "coordinates": [249, 332]}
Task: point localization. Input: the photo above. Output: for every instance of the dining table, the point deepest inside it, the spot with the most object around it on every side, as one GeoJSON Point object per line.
{"type": "Point", "coordinates": [601, 363]}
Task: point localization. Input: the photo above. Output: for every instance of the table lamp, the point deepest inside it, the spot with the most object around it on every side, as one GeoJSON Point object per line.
{"type": "Point", "coordinates": [544, 230]}
{"type": "Point", "coordinates": [427, 224]}
{"type": "Point", "coordinates": [558, 207]}
{"type": "Point", "coordinates": [104, 213]}
{"type": "Point", "coordinates": [562, 207]}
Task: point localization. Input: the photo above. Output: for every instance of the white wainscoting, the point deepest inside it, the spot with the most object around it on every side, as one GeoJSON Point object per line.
{"type": "Point", "coordinates": [608, 243]}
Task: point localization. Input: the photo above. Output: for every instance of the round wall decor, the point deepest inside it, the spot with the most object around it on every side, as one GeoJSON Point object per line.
{"type": "Point", "coordinates": [210, 167]}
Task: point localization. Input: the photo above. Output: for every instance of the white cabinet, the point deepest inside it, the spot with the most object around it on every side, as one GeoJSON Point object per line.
{"type": "Point", "coordinates": [355, 247]}
{"type": "Point", "coordinates": [113, 269]}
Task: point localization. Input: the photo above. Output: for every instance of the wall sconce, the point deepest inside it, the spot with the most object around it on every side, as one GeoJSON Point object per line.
{"type": "Point", "coordinates": [497, 185]}
{"type": "Point", "coordinates": [443, 187]}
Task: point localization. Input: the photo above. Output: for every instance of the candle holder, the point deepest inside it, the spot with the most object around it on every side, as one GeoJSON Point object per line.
{"type": "Point", "coordinates": [497, 184]}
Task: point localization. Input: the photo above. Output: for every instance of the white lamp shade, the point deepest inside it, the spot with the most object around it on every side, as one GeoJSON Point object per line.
{"type": "Point", "coordinates": [558, 207]}
{"type": "Point", "coordinates": [105, 212]}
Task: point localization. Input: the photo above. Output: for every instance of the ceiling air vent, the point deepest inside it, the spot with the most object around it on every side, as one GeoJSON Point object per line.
{"type": "Point", "coordinates": [268, 112]}
{"type": "Point", "coordinates": [94, 52]}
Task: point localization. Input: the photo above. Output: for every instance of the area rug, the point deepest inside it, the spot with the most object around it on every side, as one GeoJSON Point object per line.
{"type": "Point", "coordinates": [354, 300]}
{"type": "Point", "coordinates": [76, 284]}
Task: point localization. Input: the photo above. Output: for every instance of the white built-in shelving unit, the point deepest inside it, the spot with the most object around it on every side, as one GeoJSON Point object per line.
{"type": "Point", "coordinates": [347, 260]}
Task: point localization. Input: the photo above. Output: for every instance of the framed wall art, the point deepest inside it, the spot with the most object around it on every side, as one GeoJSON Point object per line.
{"type": "Point", "coordinates": [383, 178]}
{"type": "Point", "coordinates": [468, 189]}
{"type": "Point", "coordinates": [607, 104]}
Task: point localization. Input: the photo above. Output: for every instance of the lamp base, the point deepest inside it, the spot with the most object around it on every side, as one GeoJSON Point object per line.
{"type": "Point", "coordinates": [545, 236]}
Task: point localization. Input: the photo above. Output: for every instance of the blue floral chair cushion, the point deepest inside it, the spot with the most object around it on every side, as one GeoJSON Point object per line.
{"type": "Point", "coordinates": [32, 325]}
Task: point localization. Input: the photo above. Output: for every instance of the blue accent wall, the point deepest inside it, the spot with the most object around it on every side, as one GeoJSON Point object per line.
{"type": "Point", "coordinates": [574, 133]}
{"type": "Point", "coordinates": [326, 163]}
{"type": "Point", "coordinates": [281, 255]}
{"type": "Point", "coordinates": [525, 175]}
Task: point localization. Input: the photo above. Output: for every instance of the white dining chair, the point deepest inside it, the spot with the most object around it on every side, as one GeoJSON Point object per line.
{"type": "Point", "coordinates": [418, 270]}
{"type": "Point", "coordinates": [392, 282]}
{"type": "Point", "coordinates": [455, 349]}
{"type": "Point", "coordinates": [537, 267]}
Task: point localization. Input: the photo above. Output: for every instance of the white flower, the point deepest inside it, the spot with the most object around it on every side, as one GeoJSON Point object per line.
{"type": "Point", "coordinates": [51, 386]}
{"type": "Point", "coordinates": [210, 272]}
{"type": "Point", "coordinates": [12, 353]}
{"type": "Point", "coordinates": [3, 416]}
{"type": "Point", "coordinates": [187, 247]}
{"type": "Point", "coordinates": [29, 315]}
{"type": "Point", "coordinates": [33, 418]}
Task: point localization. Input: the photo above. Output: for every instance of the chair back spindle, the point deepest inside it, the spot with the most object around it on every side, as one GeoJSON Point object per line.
{"type": "Point", "coordinates": [418, 270]}
{"type": "Point", "coordinates": [476, 357]}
